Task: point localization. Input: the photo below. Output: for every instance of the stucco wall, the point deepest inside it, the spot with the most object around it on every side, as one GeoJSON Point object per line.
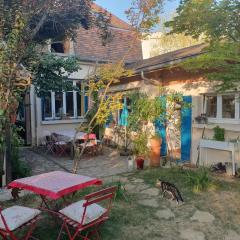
{"type": "Point", "coordinates": [196, 86]}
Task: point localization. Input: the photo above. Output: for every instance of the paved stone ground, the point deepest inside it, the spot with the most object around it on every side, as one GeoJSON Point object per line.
{"type": "Point", "coordinates": [102, 166]}
{"type": "Point", "coordinates": [110, 163]}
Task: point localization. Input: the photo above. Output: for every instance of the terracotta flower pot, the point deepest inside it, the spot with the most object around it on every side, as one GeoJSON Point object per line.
{"type": "Point", "coordinates": [156, 143]}
{"type": "Point", "coordinates": [140, 162]}
{"type": "Point", "coordinates": [13, 118]}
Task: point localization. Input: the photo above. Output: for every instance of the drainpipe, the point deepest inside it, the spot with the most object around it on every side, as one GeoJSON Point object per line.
{"type": "Point", "coordinates": [149, 80]}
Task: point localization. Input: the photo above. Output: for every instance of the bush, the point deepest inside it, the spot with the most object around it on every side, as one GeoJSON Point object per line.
{"type": "Point", "coordinates": [19, 168]}
{"type": "Point", "coordinates": [199, 180]}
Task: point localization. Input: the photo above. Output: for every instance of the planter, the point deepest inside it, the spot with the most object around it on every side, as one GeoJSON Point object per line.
{"type": "Point", "coordinates": [156, 143]}
{"type": "Point", "coordinates": [140, 162]}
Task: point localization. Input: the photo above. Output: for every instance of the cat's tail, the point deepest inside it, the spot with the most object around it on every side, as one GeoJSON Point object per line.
{"type": "Point", "coordinates": [180, 196]}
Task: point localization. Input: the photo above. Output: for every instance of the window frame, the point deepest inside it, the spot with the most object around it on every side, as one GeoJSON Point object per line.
{"type": "Point", "coordinates": [75, 111]}
{"type": "Point", "coordinates": [219, 118]}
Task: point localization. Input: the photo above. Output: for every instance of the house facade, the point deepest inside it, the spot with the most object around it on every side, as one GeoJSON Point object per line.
{"type": "Point", "coordinates": [222, 110]}
{"type": "Point", "coordinates": [65, 110]}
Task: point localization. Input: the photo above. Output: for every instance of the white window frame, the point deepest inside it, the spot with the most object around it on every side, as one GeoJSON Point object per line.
{"type": "Point", "coordinates": [75, 115]}
{"type": "Point", "coordinates": [219, 118]}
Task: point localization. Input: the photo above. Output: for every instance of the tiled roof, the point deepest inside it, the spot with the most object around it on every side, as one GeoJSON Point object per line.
{"type": "Point", "coordinates": [115, 21]}
{"type": "Point", "coordinates": [168, 58]}
{"type": "Point", "coordinates": [89, 45]}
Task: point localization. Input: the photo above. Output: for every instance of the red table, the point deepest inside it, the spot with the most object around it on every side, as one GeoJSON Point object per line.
{"type": "Point", "coordinates": [54, 185]}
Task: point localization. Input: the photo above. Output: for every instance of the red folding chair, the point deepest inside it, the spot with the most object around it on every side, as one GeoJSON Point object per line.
{"type": "Point", "coordinates": [87, 214]}
{"type": "Point", "coordinates": [15, 218]}
{"type": "Point", "coordinates": [60, 146]}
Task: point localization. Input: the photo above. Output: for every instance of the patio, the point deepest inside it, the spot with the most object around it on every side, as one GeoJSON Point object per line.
{"type": "Point", "coordinates": [108, 164]}
{"type": "Point", "coordinates": [209, 215]}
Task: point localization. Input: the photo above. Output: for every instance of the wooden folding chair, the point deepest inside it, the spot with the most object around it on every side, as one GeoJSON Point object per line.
{"type": "Point", "coordinates": [15, 218]}
{"type": "Point", "coordinates": [87, 214]}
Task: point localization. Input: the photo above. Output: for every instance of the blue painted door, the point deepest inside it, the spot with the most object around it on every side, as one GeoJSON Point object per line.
{"type": "Point", "coordinates": [186, 130]}
{"type": "Point", "coordinates": [160, 127]}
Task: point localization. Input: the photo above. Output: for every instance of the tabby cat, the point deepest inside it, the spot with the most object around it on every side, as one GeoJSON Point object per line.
{"type": "Point", "coordinates": [170, 189]}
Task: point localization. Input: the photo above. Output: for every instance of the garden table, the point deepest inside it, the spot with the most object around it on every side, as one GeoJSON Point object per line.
{"type": "Point", "coordinates": [54, 185]}
{"type": "Point", "coordinates": [70, 134]}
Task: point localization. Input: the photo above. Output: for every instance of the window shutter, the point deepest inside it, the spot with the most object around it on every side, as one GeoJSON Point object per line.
{"type": "Point", "coordinates": [186, 130]}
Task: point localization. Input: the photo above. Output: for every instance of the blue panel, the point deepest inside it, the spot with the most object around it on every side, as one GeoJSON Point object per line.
{"type": "Point", "coordinates": [85, 103]}
{"type": "Point", "coordinates": [160, 127]}
{"type": "Point", "coordinates": [186, 130]}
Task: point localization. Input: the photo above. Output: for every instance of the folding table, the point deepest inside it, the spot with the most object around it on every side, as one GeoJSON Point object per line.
{"type": "Point", "coordinates": [54, 185]}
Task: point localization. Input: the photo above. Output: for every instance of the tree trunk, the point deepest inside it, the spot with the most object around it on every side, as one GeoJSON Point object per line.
{"type": "Point", "coordinates": [8, 154]}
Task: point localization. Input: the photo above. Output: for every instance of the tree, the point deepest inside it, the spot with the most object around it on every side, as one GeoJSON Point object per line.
{"type": "Point", "coordinates": [25, 24]}
{"type": "Point", "coordinates": [143, 16]}
{"type": "Point", "coordinates": [219, 23]}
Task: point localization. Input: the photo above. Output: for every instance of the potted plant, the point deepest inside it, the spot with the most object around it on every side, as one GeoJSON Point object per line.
{"type": "Point", "coordinates": [202, 119]}
{"type": "Point", "coordinates": [140, 149]}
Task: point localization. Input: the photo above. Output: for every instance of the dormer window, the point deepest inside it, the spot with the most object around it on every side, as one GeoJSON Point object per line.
{"type": "Point", "coordinates": [57, 47]}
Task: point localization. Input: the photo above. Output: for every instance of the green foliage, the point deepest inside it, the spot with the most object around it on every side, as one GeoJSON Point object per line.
{"type": "Point", "coordinates": [143, 109]}
{"type": "Point", "coordinates": [19, 168]}
{"type": "Point", "coordinates": [144, 15]}
{"type": "Point", "coordinates": [199, 180]}
{"type": "Point", "coordinates": [218, 22]}
{"type": "Point", "coordinates": [140, 144]}
{"type": "Point", "coordinates": [219, 134]}
{"type": "Point", "coordinates": [51, 73]}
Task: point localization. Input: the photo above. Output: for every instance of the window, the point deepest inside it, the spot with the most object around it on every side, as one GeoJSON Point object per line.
{"type": "Point", "coordinates": [211, 104]}
{"type": "Point", "coordinates": [79, 99]}
{"type": "Point", "coordinates": [62, 105]}
{"type": "Point", "coordinates": [222, 108]}
{"type": "Point", "coordinates": [47, 106]}
{"type": "Point", "coordinates": [57, 47]}
{"type": "Point", "coordinates": [228, 106]}
{"type": "Point", "coordinates": [59, 104]}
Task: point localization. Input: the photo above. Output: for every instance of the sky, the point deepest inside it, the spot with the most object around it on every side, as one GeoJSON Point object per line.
{"type": "Point", "coordinates": [118, 7]}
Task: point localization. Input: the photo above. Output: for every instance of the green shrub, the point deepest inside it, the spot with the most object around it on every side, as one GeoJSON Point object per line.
{"type": "Point", "coordinates": [219, 133]}
{"type": "Point", "coordinates": [19, 168]}
{"type": "Point", "coordinates": [199, 180]}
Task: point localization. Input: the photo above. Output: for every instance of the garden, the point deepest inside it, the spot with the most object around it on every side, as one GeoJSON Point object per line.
{"type": "Point", "coordinates": [210, 209]}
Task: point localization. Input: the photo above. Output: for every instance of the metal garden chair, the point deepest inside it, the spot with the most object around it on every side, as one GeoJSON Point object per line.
{"type": "Point", "coordinates": [87, 214]}
{"type": "Point", "coordinates": [15, 218]}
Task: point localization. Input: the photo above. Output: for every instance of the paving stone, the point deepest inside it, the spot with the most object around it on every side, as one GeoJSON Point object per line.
{"type": "Point", "coordinates": [232, 235]}
{"type": "Point", "coordinates": [149, 203]}
{"type": "Point", "coordinates": [203, 217]}
{"type": "Point", "coordinates": [130, 187]}
{"type": "Point", "coordinates": [165, 214]}
{"type": "Point", "coordinates": [137, 180]}
{"type": "Point", "coordinates": [190, 234]}
{"type": "Point", "coordinates": [151, 191]}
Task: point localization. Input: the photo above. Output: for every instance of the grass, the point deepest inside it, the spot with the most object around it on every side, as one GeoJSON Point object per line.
{"type": "Point", "coordinates": [130, 220]}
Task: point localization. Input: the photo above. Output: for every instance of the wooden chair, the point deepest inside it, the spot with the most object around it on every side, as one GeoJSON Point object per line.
{"type": "Point", "coordinates": [15, 218]}
{"type": "Point", "coordinates": [87, 214]}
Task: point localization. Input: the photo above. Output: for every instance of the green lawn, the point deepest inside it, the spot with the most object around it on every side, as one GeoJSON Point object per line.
{"type": "Point", "coordinates": [131, 220]}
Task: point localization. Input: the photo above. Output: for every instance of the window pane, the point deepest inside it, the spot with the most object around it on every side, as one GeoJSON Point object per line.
{"type": "Point", "coordinates": [59, 104]}
{"type": "Point", "coordinates": [69, 104]}
{"type": "Point", "coordinates": [211, 102]}
{"type": "Point", "coordinates": [79, 100]}
{"type": "Point", "coordinates": [47, 106]}
{"type": "Point", "coordinates": [228, 106]}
